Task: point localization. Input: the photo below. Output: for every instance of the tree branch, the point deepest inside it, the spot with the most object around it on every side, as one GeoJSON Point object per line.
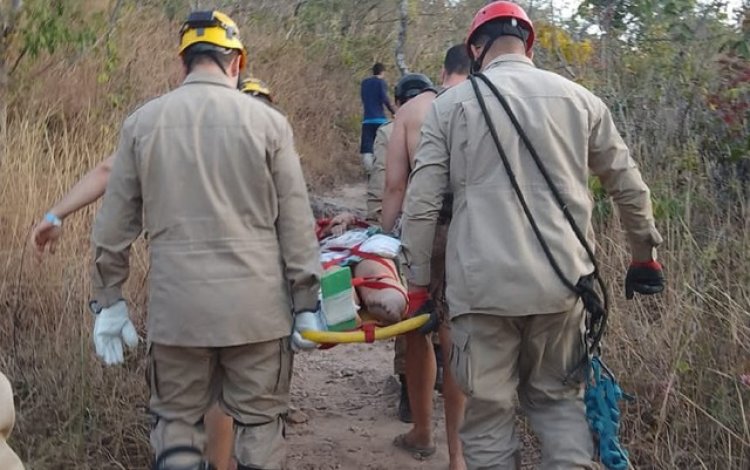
{"type": "Point", "coordinates": [401, 42]}
{"type": "Point", "coordinates": [18, 60]}
{"type": "Point", "coordinates": [298, 7]}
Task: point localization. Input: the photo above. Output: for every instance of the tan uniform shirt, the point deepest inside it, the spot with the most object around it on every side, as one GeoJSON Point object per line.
{"type": "Point", "coordinates": [212, 177]}
{"type": "Point", "coordinates": [495, 264]}
{"type": "Point", "coordinates": [376, 181]}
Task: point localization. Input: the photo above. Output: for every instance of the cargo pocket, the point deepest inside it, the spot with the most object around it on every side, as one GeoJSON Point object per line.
{"type": "Point", "coordinates": [284, 376]}
{"type": "Point", "coordinates": [151, 375]}
{"type": "Point", "coordinates": [152, 416]}
{"type": "Point", "coordinates": [460, 360]}
{"type": "Point", "coordinates": [577, 364]}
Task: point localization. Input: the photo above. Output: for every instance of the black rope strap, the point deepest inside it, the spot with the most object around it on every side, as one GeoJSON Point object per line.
{"type": "Point", "coordinates": [585, 288]}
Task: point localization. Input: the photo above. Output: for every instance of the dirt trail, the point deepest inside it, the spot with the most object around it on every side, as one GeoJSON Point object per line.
{"type": "Point", "coordinates": [347, 397]}
{"type": "Point", "coordinates": [345, 401]}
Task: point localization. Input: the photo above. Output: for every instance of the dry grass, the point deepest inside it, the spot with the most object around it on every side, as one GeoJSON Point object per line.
{"type": "Point", "coordinates": [72, 412]}
{"type": "Point", "coordinates": [681, 354]}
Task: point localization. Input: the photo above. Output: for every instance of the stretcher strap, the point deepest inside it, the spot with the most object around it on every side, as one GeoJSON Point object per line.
{"type": "Point", "coordinates": [377, 283]}
{"type": "Point", "coordinates": [374, 282]}
{"type": "Point", "coordinates": [378, 259]}
{"type": "Point", "coordinates": [356, 251]}
{"type": "Point", "coordinates": [369, 330]}
{"type": "Point", "coordinates": [415, 300]}
{"type": "Point", "coordinates": [320, 226]}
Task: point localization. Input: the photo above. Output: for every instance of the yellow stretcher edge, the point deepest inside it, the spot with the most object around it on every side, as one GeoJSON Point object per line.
{"type": "Point", "coordinates": [382, 332]}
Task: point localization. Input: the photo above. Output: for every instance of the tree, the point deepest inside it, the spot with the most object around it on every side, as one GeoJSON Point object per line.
{"type": "Point", "coordinates": [401, 42]}
{"type": "Point", "coordinates": [8, 21]}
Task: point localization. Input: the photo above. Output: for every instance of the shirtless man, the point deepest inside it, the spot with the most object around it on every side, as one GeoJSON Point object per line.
{"type": "Point", "coordinates": [420, 360]}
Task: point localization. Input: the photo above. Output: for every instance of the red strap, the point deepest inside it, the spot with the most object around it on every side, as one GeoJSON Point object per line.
{"type": "Point", "coordinates": [369, 282]}
{"type": "Point", "coordinates": [333, 262]}
{"type": "Point", "coordinates": [337, 261]}
{"type": "Point", "coordinates": [416, 300]}
{"type": "Point", "coordinates": [355, 251]}
{"type": "Point", "coordinates": [320, 226]}
{"type": "Point", "coordinates": [652, 264]}
{"type": "Point", "coordinates": [369, 330]}
{"type": "Point", "coordinates": [374, 282]}
{"type": "Point", "coordinates": [377, 283]}
{"type": "Point", "coordinates": [373, 257]}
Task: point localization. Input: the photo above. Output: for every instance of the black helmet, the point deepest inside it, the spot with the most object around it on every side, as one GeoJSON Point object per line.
{"type": "Point", "coordinates": [411, 85]}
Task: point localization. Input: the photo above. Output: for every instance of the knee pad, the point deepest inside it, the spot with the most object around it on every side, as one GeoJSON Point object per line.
{"type": "Point", "coordinates": [162, 459]}
{"type": "Point", "coordinates": [240, 426]}
{"type": "Point", "coordinates": [282, 418]}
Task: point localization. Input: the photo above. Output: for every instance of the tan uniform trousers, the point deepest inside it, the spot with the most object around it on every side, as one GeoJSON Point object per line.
{"type": "Point", "coordinates": [250, 381]}
{"type": "Point", "coordinates": [493, 357]}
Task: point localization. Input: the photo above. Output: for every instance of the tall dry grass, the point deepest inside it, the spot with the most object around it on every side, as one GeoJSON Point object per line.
{"type": "Point", "coordinates": [73, 413]}
{"type": "Point", "coordinates": [681, 354]}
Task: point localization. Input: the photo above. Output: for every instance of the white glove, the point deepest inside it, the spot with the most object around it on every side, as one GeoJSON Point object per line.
{"type": "Point", "coordinates": [306, 321]}
{"type": "Point", "coordinates": [111, 328]}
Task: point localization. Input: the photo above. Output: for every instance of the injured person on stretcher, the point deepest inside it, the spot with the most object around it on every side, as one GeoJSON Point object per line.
{"type": "Point", "coordinates": [346, 240]}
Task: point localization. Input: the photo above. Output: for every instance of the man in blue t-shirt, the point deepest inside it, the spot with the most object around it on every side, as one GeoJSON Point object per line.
{"type": "Point", "coordinates": [374, 92]}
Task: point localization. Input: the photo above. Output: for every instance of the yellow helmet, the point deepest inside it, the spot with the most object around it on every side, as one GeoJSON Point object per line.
{"type": "Point", "coordinates": [256, 87]}
{"type": "Point", "coordinates": [212, 27]}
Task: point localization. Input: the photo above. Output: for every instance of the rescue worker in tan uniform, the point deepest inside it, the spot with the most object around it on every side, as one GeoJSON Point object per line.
{"type": "Point", "coordinates": [89, 189]}
{"type": "Point", "coordinates": [212, 178]}
{"type": "Point", "coordinates": [516, 327]}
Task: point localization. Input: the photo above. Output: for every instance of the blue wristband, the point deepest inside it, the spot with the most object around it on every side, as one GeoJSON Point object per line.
{"type": "Point", "coordinates": [53, 219]}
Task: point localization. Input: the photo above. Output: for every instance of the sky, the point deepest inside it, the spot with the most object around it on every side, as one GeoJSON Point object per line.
{"type": "Point", "coordinates": [568, 7]}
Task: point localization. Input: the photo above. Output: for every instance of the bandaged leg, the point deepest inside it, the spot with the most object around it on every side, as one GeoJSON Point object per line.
{"type": "Point", "coordinates": [386, 304]}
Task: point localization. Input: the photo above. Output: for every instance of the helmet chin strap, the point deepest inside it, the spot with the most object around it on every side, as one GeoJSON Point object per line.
{"type": "Point", "coordinates": [476, 64]}
{"type": "Point", "coordinates": [508, 29]}
{"type": "Point", "coordinates": [211, 55]}
{"type": "Point", "coordinates": [216, 60]}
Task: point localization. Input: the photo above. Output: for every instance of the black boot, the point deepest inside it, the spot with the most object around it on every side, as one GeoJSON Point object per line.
{"type": "Point", "coordinates": [404, 409]}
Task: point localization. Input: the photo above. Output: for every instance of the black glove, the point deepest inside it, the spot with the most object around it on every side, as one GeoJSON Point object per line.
{"type": "Point", "coordinates": [421, 305]}
{"type": "Point", "coordinates": [646, 278]}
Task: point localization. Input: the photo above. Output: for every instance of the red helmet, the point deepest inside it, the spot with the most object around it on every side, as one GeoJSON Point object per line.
{"type": "Point", "coordinates": [498, 10]}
